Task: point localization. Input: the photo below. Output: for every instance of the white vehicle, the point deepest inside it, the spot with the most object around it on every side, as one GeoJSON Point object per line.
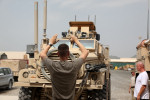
{"type": "Point", "coordinates": [6, 77]}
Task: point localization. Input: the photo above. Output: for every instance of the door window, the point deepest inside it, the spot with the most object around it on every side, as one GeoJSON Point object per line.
{"type": "Point", "coordinates": [1, 71]}
{"type": "Point", "coordinates": [9, 71]}
{"type": "Point", "coordinates": [6, 72]}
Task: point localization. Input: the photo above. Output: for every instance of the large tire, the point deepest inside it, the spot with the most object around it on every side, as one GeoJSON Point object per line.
{"type": "Point", "coordinates": [25, 94]}
{"type": "Point", "coordinates": [109, 92]}
{"type": "Point", "coordinates": [104, 91]}
{"type": "Point", "coordinates": [95, 95]}
{"type": "Point", "coordinates": [100, 94]}
{"type": "Point", "coordinates": [109, 88]}
{"type": "Point", "coordinates": [29, 93]}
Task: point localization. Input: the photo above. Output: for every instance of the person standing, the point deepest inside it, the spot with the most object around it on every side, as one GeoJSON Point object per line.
{"type": "Point", "coordinates": [64, 73]}
{"type": "Point", "coordinates": [141, 91]}
{"type": "Point", "coordinates": [132, 84]}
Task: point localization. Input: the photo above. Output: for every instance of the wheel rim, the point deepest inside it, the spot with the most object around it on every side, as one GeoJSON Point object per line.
{"type": "Point", "coordinates": [10, 85]}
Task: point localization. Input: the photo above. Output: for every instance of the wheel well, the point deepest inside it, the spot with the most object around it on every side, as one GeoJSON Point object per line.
{"type": "Point", "coordinates": [11, 81]}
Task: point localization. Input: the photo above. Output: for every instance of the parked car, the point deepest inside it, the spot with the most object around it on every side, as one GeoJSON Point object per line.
{"type": "Point", "coordinates": [6, 77]}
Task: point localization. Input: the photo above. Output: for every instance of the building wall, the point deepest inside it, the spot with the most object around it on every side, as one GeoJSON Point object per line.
{"type": "Point", "coordinates": [123, 63]}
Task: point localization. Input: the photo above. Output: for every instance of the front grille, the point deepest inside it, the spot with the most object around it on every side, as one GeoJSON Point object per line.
{"type": "Point", "coordinates": [47, 72]}
{"type": "Point", "coordinates": [55, 58]}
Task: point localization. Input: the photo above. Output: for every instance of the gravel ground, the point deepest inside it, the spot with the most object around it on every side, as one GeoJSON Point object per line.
{"type": "Point", "coordinates": [119, 87]}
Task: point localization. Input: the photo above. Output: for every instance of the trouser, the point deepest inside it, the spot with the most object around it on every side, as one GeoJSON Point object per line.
{"type": "Point", "coordinates": [132, 92]}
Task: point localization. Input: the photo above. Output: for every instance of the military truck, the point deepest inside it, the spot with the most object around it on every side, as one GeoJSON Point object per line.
{"type": "Point", "coordinates": [15, 65]}
{"type": "Point", "coordinates": [93, 79]}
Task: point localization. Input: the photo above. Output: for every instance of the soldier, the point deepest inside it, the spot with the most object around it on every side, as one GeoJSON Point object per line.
{"type": "Point", "coordinates": [141, 91]}
{"type": "Point", "coordinates": [132, 84]}
{"type": "Point", "coordinates": [63, 73]}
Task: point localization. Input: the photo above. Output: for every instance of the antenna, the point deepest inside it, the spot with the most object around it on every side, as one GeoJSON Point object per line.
{"type": "Point", "coordinates": [88, 17]}
{"type": "Point", "coordinates": [140, 38]}
{"type": "Point", "coordinates": [45, 18]}
{"type": "Point", "coordinates": [95, 21]}
{"type": "Point", "coordinates": [75, 18]}
{"type": "Point", "coordinates": [36, 25]}
{"type": "Point", "coordinates": [148, 22]}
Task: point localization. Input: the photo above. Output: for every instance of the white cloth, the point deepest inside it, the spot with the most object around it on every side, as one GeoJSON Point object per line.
{"type": "Point", "coordinates": [142, 79]}
{"type": "Point", "coordinates": [132, 81]}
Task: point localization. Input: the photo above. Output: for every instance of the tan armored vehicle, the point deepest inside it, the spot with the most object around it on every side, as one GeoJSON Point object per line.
{"type": "Point", "coordinates": [143, 51]}
{"type": "Point", "coordinates": [15, 65]}
{"type": "Point", "coordinates": [143, 54]}
{"type": "Point", "coordinates": [93, 80]}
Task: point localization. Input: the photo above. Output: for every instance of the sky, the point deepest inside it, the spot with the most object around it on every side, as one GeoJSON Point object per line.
{"type": "Point", "coordinates": [120, 23]}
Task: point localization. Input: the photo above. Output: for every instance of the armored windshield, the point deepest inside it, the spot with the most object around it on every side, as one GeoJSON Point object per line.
{"type": "Point", "coordinates": [88, 44]}
{"type": "Point", "coordinates": [62, 42]}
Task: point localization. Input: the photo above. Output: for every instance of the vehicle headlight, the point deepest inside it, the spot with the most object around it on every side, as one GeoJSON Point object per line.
{"type": "Point", "coordinates": [25, 74]}
{"type": "Point", "coordinates": [88, 66]}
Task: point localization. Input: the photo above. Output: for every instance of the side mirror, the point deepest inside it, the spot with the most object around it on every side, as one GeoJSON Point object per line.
{"type": "Point", "coordinates": [97, 37]}
{"type": "Point", "coordinates": [1, 74]}
{"type": "Point", "coordinates": [64, 34]}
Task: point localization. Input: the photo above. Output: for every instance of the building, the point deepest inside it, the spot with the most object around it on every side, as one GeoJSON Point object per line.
{"type": "Point", "coordinates": [124, 63]}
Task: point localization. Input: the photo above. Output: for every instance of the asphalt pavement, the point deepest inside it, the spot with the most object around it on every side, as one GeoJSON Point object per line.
{"type": "Point", "coordinates": [120, 81]}
{"type": "Point", "coordinates": [12, 94]}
